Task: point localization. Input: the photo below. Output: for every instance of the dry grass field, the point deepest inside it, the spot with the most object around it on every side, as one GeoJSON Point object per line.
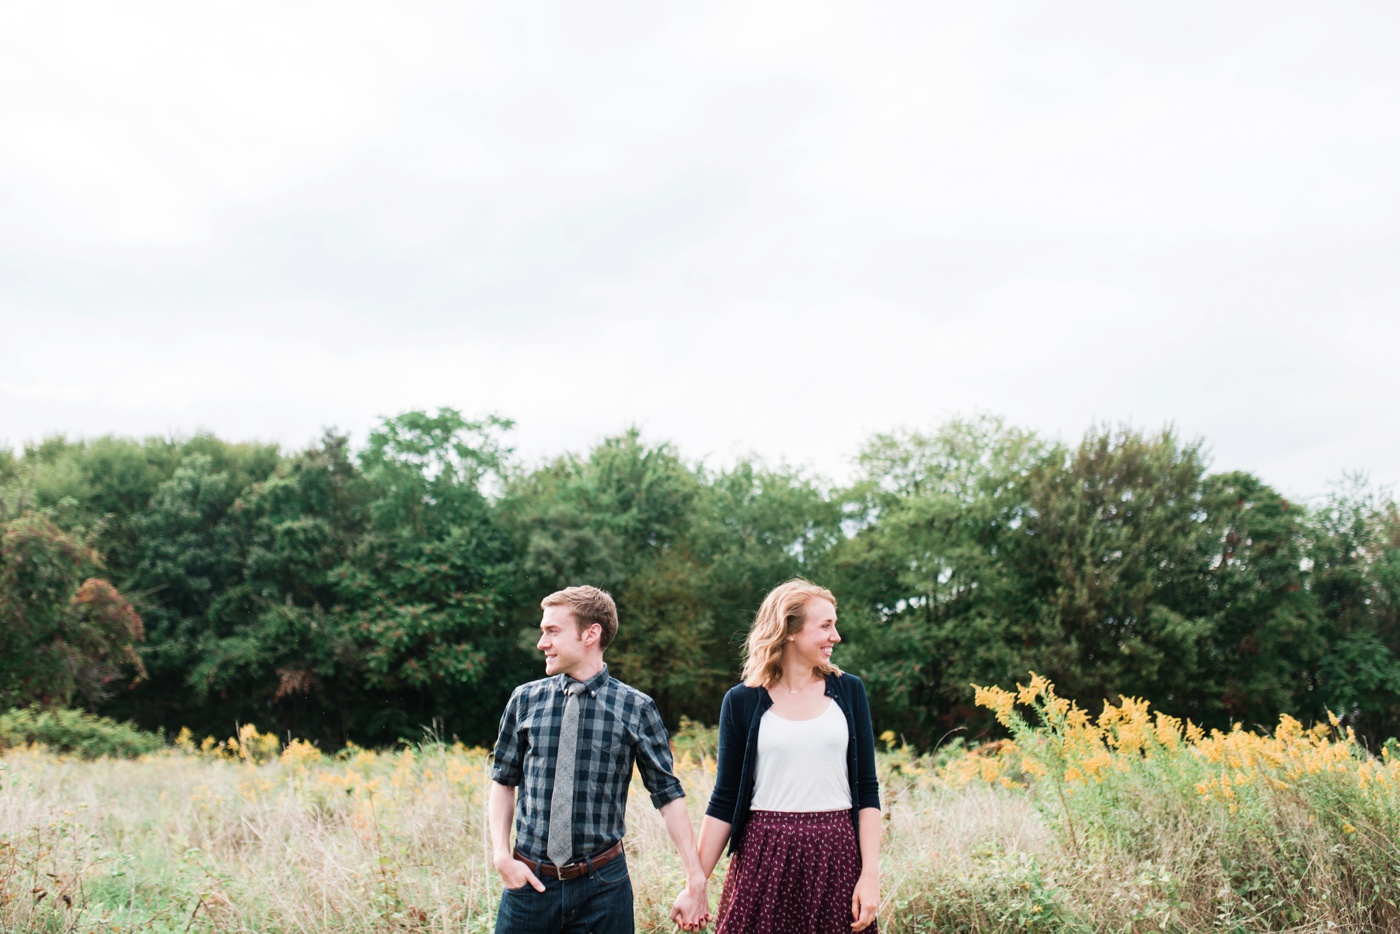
{"type": "Point", "coordinates": [1127, 822]}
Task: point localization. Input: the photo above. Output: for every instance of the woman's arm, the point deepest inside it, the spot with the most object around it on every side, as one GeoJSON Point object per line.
{"type": "Point", "coordinates": [714, 834]}
{"type": "Point", "coordinates": [724, 798]}
{"type": "Point", "coordinates": [865, 901]}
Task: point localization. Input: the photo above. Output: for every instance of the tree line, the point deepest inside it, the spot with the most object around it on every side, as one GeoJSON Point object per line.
{"type": "Point", "coordinates": [364, 594]}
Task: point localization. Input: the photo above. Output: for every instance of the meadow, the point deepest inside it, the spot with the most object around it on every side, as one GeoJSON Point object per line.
{"type": "Point", "coordinates": [1125, 821]}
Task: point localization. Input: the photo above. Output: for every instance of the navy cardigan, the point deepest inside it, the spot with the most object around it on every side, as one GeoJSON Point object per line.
{"type": "Point", "coordinates": [739, 716]}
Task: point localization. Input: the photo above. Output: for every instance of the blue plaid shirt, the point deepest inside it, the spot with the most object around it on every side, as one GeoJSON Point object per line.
{"type": "Point", "coordinates": [617, 725]}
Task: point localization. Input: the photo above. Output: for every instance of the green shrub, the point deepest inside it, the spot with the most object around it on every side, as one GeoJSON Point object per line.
{"type": "Point", "coordinates": [76, 731]}
{"type": "Point", "coordinates": [695, 739]}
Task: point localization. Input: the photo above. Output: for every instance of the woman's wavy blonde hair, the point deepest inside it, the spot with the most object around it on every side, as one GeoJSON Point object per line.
{"type": "Point", "coordinates": [782, 614]}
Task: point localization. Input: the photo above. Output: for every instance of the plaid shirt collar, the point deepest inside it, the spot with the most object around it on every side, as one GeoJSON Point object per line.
{"type": "Point", "coordinates": [593, 685]}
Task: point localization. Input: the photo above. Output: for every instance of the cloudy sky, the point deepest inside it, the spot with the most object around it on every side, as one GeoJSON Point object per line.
{"type": "Point", "coordinates": [745, 227]}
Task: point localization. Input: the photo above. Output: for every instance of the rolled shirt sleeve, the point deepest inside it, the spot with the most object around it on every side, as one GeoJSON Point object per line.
{"type": "Point", "coordinates": [508, 756]}
{"type": "Point", "coordinates": [652, 747]}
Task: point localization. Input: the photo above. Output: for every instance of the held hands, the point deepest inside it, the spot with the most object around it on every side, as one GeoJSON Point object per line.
{"type": "Point", "coordinates": [691, 912]}
{"type": "Point", "coordinates": [865, 901]}
{"type": "Point", "coordinates": [516, 874]}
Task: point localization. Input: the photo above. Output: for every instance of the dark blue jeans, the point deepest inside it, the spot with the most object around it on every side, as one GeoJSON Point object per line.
{"type": "Point", "coordinates": [598, 903]}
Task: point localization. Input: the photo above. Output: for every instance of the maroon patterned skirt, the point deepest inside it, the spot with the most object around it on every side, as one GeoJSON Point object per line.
{"type": "Point", "coordinates": [794, 873]}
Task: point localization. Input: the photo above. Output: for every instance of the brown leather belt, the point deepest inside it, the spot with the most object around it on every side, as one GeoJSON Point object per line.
{"type": "Point", "coordinates": [575, 869]}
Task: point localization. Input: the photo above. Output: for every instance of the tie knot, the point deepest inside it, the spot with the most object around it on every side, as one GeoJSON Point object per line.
{"type": "Point", "coordinates": [574, 687]}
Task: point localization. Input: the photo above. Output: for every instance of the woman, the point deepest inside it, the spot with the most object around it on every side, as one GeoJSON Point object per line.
{"type": "Point", "coordinates": [795, 793]}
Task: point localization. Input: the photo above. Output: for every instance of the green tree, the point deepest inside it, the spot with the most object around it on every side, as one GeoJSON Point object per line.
{"type": "Point", "coordinates": [688, 555]}
{"type": "Point", "coordinates": [1355, 575]}
{"type": "Point", "coordinates": [1265, 629]}
{"type": "Point", "coordinates": [287, 655]}
{"type": "Point", "coordinates": [1118, 567]}
{"type": "Point", "coordinates": [619, 519]}
{"type": "Point", "coordinates": [689, 604]}
{"type": "Point", "coordinates": [105, 485]}
{"type": "Point", "coordinates": [188, 561]}
{"type": "Point", "coordinates": [164, 539]}
{"type": "Point", "coordinates": [1112, 549]}
{"type": "Point", "coordinates": [348, 595]}
{"type": "Point", "coordinates": [756, 527]}
{"type": "Point", "coordinates": [425, 594]}
{"type": "Point", "coordinates": [9, 476]}
{"type": "Point", "coordinates": [64, 632]}
{"type": "Point", "coordinates": [928, 592]}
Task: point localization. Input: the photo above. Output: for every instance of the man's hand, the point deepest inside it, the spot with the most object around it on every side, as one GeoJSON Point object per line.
{"type": "Point", "coordinates": [691, 912]}
{"type": "Point", "coordinates": [692, 908]}
{"type": "Point", "coordinates": [500, 808]}
{"type": "Point", "coordinates": [516, 874]}
{"type": "Point", "coordinates": [865, 900]}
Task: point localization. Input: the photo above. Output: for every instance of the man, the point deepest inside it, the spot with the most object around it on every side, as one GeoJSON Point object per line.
{"type": "Point", "coordinates": [568, 742]}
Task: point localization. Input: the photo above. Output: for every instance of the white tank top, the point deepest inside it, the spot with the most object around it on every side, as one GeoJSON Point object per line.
{"type": "Point", "coordinates": [802, 763]}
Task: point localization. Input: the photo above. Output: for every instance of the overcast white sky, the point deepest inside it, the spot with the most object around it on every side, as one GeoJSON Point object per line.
{"type": "Point", "coordinates": [760, 227]}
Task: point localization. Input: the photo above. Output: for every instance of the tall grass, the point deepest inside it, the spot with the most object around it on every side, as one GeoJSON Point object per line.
{"type": "Point", "coordinates": [1294, 830]}
{"type": "Point", "coordinates": [1125, 822]}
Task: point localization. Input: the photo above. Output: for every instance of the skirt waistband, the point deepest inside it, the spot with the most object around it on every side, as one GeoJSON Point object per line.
{"type": "Point", "coordinates": [800, 817]}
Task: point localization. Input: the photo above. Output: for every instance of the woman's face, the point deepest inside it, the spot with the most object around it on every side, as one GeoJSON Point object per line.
{"type": "Point", "coordinates": [812, 644]}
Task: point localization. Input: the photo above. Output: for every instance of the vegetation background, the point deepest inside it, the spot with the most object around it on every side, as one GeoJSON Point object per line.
{"type": "Point", "coordinates": [369, 610]}
{"type": "Point", "coordinates": [360, 595]}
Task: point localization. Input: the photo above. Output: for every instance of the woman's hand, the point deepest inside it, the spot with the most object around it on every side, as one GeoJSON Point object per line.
{"type": "Point", "coordinates": [691, 911]}
{"type": "Point", "coordinates": [865, 900]}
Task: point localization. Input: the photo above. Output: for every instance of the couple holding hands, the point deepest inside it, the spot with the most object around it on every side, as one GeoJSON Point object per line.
{"type": "Point", "coordinates": [795, 794]}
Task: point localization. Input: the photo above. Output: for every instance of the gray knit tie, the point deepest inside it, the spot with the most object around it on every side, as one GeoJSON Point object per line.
{"type": "Point", "coordinates": [561, 802]}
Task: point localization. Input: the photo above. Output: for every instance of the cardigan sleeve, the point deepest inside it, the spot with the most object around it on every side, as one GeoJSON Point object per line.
{"type": "Point", "coordinates": [730, 762]}
{"type": "Point", "coordinates": [868, 786]}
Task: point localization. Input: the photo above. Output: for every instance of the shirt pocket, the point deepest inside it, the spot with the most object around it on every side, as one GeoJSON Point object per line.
{"type": "Point", "coordinates": [607, 752]}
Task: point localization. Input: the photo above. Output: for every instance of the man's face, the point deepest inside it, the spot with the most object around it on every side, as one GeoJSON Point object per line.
{"type": "Point", "coordinates": [565, 648]}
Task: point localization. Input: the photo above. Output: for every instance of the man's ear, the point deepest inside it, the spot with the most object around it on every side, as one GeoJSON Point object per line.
{"type": "Point", "coordinates": [592, 634]}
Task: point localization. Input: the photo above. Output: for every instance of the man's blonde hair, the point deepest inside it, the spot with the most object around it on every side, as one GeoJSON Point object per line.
{"type": "Point", "coordinates": [782, 614]}
{"type": "Point", "coordinates": [589, 605]}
